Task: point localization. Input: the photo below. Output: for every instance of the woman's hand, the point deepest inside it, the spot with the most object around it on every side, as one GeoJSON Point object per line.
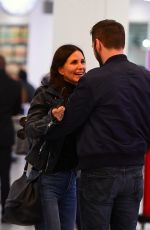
{"type": "Point", "coordinates": [58, 113]}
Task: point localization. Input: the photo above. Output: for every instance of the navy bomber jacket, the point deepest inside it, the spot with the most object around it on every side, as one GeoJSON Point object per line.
{"type": "Point", "coordinates": [111, 106]}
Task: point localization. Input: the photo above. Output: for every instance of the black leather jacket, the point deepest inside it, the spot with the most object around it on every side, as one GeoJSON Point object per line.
{"type": "Point", "coordinates": [48, 156]}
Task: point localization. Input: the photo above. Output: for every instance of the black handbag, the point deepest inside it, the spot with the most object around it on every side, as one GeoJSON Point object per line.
{"type": "Point", "coordinates": [23, 206]}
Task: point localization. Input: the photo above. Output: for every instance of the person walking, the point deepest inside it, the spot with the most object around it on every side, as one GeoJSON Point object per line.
{"type": "Point", "coordinates": [110, 108]}
{"type": "Point", "coordinates": [58, 159]}
{"type": "Point", "coordinates": [10, 104]}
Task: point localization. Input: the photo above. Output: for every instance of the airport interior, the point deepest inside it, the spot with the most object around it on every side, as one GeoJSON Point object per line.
{"type": "Point", "coordinates": [31, 30]}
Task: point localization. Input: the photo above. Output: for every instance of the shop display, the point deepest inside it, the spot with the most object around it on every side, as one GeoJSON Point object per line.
{"type": "Point", "coordinates": [13, 43]}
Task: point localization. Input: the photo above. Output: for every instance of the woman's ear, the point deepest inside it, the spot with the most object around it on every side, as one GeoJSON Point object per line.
{"type": "Point", "coordinates": [61, 71]}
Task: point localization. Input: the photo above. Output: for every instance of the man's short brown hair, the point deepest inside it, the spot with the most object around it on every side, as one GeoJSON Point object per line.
{"type": "Point", "coordinates": [110, 32]}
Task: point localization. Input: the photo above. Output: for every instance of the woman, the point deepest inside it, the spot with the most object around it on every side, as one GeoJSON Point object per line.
{"type": "Point", "coordinates": [58, 159]}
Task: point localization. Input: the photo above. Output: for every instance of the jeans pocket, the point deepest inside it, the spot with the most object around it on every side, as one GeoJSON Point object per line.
{"type": "Point", "coordinates": [97, 189]}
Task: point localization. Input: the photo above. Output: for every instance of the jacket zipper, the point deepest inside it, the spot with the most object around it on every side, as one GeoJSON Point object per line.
{"type": "Point", "coordinates": [50, 123]}
{"type": "Point", "coordinates": [41, 148]}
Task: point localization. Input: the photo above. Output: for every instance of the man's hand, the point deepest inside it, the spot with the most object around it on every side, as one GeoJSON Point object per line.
{"type": "Point", "coordinates": [58, 113]}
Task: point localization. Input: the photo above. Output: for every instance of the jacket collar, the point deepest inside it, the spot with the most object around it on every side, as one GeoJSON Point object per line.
{"type": "Point", "coordinates": [119, 57]}
{"type": "Point", "coordinates": [67, 88]}
{"type": "Point", "coordinates": [60, 91]}
{"type": "Point", "coordinates": [52, 91]}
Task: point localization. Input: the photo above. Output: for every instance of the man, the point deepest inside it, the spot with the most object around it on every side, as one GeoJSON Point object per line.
{"type": "Point", "coordinates": [10, 104]}
{"type": "Point", "coordinates": [111, 110]}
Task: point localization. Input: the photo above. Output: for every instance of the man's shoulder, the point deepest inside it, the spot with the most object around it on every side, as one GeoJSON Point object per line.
{"type": "Point", "coordinates": [97, 74]}
{"type": "Point", "coordinates": [94, 70]}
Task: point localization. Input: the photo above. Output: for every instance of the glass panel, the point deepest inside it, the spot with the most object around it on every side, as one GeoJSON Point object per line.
{"type": "Point", "coordinates": [136, 52]}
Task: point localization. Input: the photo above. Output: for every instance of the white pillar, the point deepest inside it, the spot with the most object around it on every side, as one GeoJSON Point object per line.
{"type": "Point", "coordinates": [40, 43]}
{"type": "Point", "coordinates": [73, 20]}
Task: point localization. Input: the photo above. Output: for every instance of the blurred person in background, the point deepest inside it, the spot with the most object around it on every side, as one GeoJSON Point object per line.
{"type": "Point", "coordinates": [28, 90]}
{"type": "Point", "coordinates": [22, 76]}
{"type": "Point", "coordinates": [10, 104]}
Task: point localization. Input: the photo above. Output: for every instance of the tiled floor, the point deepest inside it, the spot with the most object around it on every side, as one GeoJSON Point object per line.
{"type": "Point", "coordinates": [16, 171]}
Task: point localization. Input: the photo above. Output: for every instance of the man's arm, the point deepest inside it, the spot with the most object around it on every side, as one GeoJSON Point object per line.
{"type": "Point", "coordinates": [77, 111]}
{"type": "Point", "coordinates": [38, 117]}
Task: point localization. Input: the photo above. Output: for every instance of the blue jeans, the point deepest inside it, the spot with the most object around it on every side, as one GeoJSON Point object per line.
{"type": "Point", "coordinates": [58, 196]}
{"type": "Point", "coordinates": [110, 198]}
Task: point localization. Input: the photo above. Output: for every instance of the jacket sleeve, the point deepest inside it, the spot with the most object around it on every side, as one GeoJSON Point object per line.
{"type": "Point", "coordinates": [77, 111]}
{"type": "Point", "coordinates": [38, 118]}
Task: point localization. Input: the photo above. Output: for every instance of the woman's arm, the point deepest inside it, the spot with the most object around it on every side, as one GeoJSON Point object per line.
{"type": "Point", "coordinates": [38, 118]}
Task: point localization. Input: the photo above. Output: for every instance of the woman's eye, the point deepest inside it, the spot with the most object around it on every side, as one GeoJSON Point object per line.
{"type": "Point", "coordinates": [74, 62]}
{"type": "Point", "coordinates": [83, 61]}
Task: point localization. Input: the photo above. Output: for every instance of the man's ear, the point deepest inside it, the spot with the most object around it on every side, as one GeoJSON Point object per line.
{"type": "Point", "coordinates": [98, 44]}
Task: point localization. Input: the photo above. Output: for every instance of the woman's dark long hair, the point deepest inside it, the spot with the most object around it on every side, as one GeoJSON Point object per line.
{"type": "Point", "coordinates": [60, 57]}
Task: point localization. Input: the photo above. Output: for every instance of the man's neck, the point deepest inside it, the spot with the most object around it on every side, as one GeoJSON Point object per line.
{"type": "Point", "coordinates": [111, 52]}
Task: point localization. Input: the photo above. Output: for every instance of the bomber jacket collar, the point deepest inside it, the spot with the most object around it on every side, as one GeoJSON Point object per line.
{"type": "Point", "coordinates": [119, 57]}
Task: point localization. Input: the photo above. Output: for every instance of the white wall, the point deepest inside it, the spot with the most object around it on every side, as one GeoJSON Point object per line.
{"type": "Point", "coordinates": [40, 43]}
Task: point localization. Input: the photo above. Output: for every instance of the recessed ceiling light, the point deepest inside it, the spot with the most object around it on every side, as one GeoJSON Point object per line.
{"type": "Point", "coordinates": [18, 7]}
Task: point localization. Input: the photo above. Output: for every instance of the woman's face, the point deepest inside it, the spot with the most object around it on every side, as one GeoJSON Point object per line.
{"type": "Point", "coordinates": [74, 67]}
